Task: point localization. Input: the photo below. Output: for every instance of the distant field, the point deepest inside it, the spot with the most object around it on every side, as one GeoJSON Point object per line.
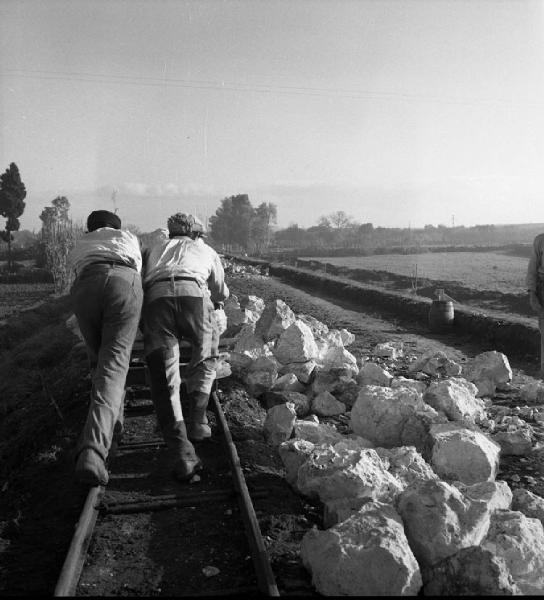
{"type": "Point", "coordinates": [17, 296]}
{"type": "Point", "coordinates": [494, 271]}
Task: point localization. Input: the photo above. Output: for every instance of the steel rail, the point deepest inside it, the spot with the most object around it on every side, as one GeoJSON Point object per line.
{"type": "Point", "coordinates": [265, 576]}
{"type": "Point", "coordinates": [73, 564]}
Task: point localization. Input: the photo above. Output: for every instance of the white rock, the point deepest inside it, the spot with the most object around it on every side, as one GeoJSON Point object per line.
{"type": "Point", "coordinates": [436, 363]}
{"type": "Point", "coordinates": [295, 344]}
{"type": "Point", "coordinates": [303, 371]}
{"type": "Point", "coordinates": [532, 392]}
{"type": "Point", "coordinates": [392, 417]}
{"type": "Point", "coordinates": [274, 320]}
{"type": "Point", "coordinates": [254, 304]}
{"type": "Point", "coordinates": [294, 453]}
{"type": "Point", "coordinates": [366, 555]}
{"type": "Point", "coordinates": [279, 422]}
{"type": "Point", "coordinates": [346, 470]}
{"type": "Point", "coordinates": [461, 454]}
{"type": "Point", "coordinates": [487, 371]}
{"type": "Point", "coordinates": [248, 347]}
{"type": "Point", "coordinates": [406, 464]}
{"type": "Point", "coordinates": [261, 374]}
{"type": "Point", "coordinates": [340, 509]}
{"type": "Point", "coordinates": [326, 405]}
{"type": "Point", "coordinates": [288, 383]}
{"type": "Point", "coordinates": [519, 540]}
{"type": "Point", "coordinates": [393, 350]}
{"type": "Point", "coordinates": [372, 374]}
{"type": "Point", "coordinates": [339, 358]}
{"type": "Point", "coordinates": [529, 504]}
{"type": "Point", "coordinates": [456, 398]}
{"type": "Point", "coordinates": [496, 494]}
{"type": "Point", "coordinates": [317, 433]}
{"type": "Point", "coordinates": [419, 386]}
{"type": "Point", "coordinates": [517, 442]}
{"type": "Point", "coordinates": [331, 339]}
{"type": "Point", "coordinates": [439, 520]}
{"type": "Point", "coordinates": [318, 328]}
{"type": "Point", "coordinates": [347, 337]}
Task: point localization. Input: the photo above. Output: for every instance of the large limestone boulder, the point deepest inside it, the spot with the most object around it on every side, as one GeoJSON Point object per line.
{"type": "Point", "coordinates": [326, 405]}
{"type": "Point", "coordinates": [472, 571]}
{"type": "Point", "coordinates": [301, 402]}
{"type": "Point", "coordinates": [236, 316]}
{"type": "Point", "coordinates": [365, 555]}
{"type": "Point", "coordinates": [393, 417]}
{"type": "Point", "coordinates": [261, 374]}
{"type": "Point", "coordinates": [347, 337]}
{"type": "Point", "coordinates": [487, 371]}
{"type": "Point", "coordinates": [274, 320]}
{"type": "Point", "coordinates": [254, 305]}
{"type": "Point", "coordinates": [406, 464]}
{"type": "Point", "coordinates": [279, 422]}
{"type": "Point", "coordinates": [515, 437]}
{"type": "Point", "coordinates": [247, 348]}
{"type": "Point", "coordinates": [531, 505]}
{"type": "Point", "coordinates": [439, 520]}
{"type": "Point", "coordinates": [392, 350]}
{"type": "Point", "coordinates": [346, 470]}
{"type": "Point", "coordinates": [318, 433]}
{"type": "Point", "coordinates": [465, 455]}
{"type": "Point", "coordinates": [296, 344]}
{"type": "Point", "coordinates": [372, 374]}
{"type": "Point", "coordinates": [496, 494]}
{"type": "Point", "coordinates": [319, 329]}
{"type": "Point", "coordinates": [288, 383]}
{"type": "Point", "coordinates": [436, 363]}
{"type": "Point", "coordinates": [456, 398]}
{"type": "Point", "coordinates": [519, 540]}
{"type": "Point", "coordinates": [293, 454]}
{"type": "Point", "coordinates": [339, 359]}
{"type": "Point", "coordinates": [419, 386]}
{"type": "Point", "coordinates": [303, 371]}
{"type": "Point", "coordinates": [332, 339]}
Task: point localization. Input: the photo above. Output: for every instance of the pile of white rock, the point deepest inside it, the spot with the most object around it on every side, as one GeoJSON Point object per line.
{"type": "Point", "coordinates": [410, 498]}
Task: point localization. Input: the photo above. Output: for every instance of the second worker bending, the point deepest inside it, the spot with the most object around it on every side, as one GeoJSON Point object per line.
{"type": "Point", "coordinates": [184, 291]}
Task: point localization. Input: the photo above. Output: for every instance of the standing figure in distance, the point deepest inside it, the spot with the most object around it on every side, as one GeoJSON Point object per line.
{"type": "Point", "coordinates": [535, 286]}
{"type": "Point", "coordinates": [107, 300]}
{"type": "Point", "coordinates": [185, 288]}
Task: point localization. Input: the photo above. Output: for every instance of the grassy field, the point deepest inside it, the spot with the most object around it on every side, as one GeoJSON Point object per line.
{"type": "Point", "coordinates": [17, 296]}
{"type": "Point", "coordinates": [494, 271]}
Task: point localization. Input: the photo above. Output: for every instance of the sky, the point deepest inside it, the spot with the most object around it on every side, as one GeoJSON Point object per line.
{"type": "Point", "coordinates": [399, 112]}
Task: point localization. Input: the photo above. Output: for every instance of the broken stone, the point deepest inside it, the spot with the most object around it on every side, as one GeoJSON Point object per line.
{"type": "Point", "coordinates": [346, 470]}
{"type": "Point", "coordinates": [519, 540]}
{"type": "Point", "coordinates": [406, 464]}
{"type": "Point", "coordinates": [317, 433]}
{"type": "Point", "coordinates": [339, 359]}
{"type": "Point", "coordinates": [296, 344]}
{"type": "Point", "coordinates": [293, 454]}
{"type": "Point", "coordinates": [372, 374]}
{"type": "Point", "coordinates": [532, 392]}
{"type": "Point", "coordinates": [347, 337]}
{"type": "Point", "coordinates": [419, 386]}
{"type": "Point", "coordinates": [274, 320]}
{"type": "Point", "coordinates": [332, 339]}
{"type": "Point", "coordinates": [326, 405]}
{"type": "Point", "coordinates": [222, 369]}
{"type": "Point", "coordinates": [497, 494]}
{"type": "Point", "coordinates": [261, 375]}
{"type": "Point", "coordinates": [472, 571]}
{"type": "Point", "coordinates": [303, 371]}
{"type": "Point", "coordinates": [301, 402]}
{"type": "Point", "coordinates": [488, 370]}
{"type": "Point", "coordinates": [254, 304]}
{"type": "Point", "coordinates": [461, 454]}
{"type": "Point", "coordinates": [288, 383]}
{"type": "Point", "coordinates": [529, 504]}
{"type": "Point", "coordinates": [436, 363]}
{"type": "Point", "coordinates": [439, 520]}
{"type": "Point", "coordinates": [336, 511]}
{"type": "Point", "coordinates": [365, 555]}
{"type": "Point", "coordinates": [319, 329]}
{"type": "Point", "coordinates": [518, 442]}
{"type": "Point", "coordinates": [456, 398]}
{"type": "Point", "coordinates": [248, 347]}
{"type": "Point", "coordinates": [279, 422]}
{"type": "Point", "coordinates": [393, 417]}
{"type": "Point", "coordinates": [346, 391]}
{"type": "Point", "coordinates": [392, 350]}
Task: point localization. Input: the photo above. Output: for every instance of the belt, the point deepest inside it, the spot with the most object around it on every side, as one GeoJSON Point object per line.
{"type": "Point", "coordinates": [112, 263]}
{"type": "Point", "coordinates": [177, 278]}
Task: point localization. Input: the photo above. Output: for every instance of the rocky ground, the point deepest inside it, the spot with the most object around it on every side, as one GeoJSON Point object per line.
{"type": "Point", "coordinates": [44, 407]}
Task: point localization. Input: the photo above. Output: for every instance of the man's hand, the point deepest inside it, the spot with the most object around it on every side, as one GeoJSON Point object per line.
{"type": "Point", "coordinates": [220, 320]}
{"type": "Point", "coordinates": [534, 302]}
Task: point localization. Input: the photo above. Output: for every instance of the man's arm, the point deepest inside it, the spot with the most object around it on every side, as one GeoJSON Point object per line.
{"type": "Point", "coordinates": [219, 291]}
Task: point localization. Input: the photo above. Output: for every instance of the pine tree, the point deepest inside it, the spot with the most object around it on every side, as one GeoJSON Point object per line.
{"type": "Point", "coordinates": [12, 194]}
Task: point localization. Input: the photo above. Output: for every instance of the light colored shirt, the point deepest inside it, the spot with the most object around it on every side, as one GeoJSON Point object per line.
{"type": "Point", "coordinates": [182, 257]}
{"type": "Point", "coordinates": [106, 243]}
{"type": "Point", "coordinates": [535, 270]}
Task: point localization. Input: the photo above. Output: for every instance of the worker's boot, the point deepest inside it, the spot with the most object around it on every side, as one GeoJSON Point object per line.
{"type": "Point", "coordinates": [91, 468]}
{"type": "Point", "coordinates": [197, 424]}
{"type": "Point", "coordinates": [185, 461]}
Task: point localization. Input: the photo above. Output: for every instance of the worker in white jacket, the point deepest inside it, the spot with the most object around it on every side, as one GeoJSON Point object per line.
{"type": "Point", "coordinates": [184, 291]}
{"type": "Point", "coordinates": [107, 301]}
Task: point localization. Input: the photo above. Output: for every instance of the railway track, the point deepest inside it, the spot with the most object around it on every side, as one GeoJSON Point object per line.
{"type": "Point", "coordinates": [146, 534]}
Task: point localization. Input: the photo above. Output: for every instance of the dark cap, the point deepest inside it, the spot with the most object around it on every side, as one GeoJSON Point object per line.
{"type": "Point", "coordinates": [103, 218]}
